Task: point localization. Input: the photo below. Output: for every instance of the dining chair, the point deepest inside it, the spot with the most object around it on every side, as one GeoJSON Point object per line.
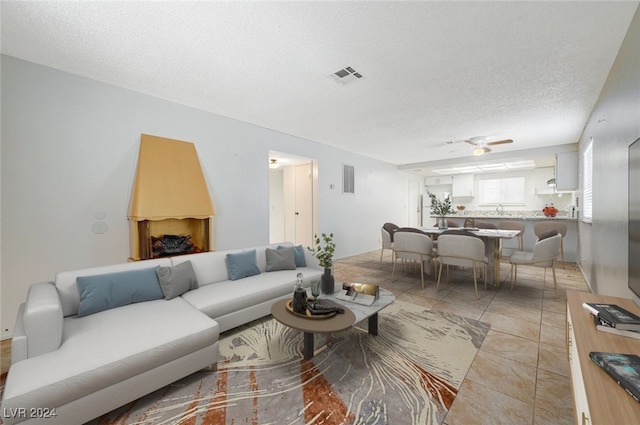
{"type": "Point", "coordinates": [485, 225]}
{"type": "Point", "coordinates": [514, 225]}
{"type": "Point", "coordinates": [543, 227]}
{"type": "Point", "coordinates": [387, 231]}
{"type": "Point", "coordinates": [413, 246]}
{"type": "Point", "coordinates": [463, 251]}
{"type": "Point", "coordinates": [545, 253]}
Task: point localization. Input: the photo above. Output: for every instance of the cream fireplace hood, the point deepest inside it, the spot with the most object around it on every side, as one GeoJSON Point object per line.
{"type": "Point", "coordinates": [169, 183]}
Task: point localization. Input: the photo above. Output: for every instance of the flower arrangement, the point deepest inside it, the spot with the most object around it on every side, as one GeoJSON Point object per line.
{"type": "Point", "coordinates": [324, 253]}
{"type": "Point", "coordinates": [440, 208]}
{"type": "Point", "coordinates": [549, 211]}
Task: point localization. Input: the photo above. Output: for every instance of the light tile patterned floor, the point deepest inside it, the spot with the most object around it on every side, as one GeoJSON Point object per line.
{"type": "Point", "coordinates": [520, 375]}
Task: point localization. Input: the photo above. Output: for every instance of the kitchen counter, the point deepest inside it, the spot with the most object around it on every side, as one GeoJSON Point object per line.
{"type": "Point", "coordinates": [508, 216]}
{"type": "Point", "coordinates": [570, 241]}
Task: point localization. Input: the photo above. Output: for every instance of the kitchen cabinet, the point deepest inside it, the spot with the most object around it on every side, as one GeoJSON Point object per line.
{"type": "Point", "coordinates": [541, 176]}
{"type": "Point", "coordinates": [462, 185]}
{"type": "Point", "coordinates": [437, 180]}
{"type": "Point", "coordinates": [566, 171]}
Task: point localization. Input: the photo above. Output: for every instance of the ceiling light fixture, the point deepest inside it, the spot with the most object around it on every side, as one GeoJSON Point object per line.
{"type": "Point", "coordinates": [478, 151]}
{"type": "Point", "coordinates": [274, 164]}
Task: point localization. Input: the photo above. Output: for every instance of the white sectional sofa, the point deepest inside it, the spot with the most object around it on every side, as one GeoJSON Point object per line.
{"type": "Point", "coordinates": [81, 350]}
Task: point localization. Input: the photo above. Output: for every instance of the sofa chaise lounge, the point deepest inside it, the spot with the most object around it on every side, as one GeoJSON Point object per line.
{"type": "Point", "coordinates": [81, 348]}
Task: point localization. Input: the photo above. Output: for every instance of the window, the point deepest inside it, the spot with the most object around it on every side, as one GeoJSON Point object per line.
{"type": "Point", "coordinates": [348, 179]}
{"type": "Point", "coordinates": [587, 183]}
{"type": "Point", "coordinates": [508, 191]}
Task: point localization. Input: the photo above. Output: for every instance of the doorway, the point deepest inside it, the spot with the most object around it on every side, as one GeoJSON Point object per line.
{"type": "Point", "coordinates": [292, 199]}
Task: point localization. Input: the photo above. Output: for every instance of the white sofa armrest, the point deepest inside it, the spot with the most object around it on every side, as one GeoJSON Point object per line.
{"type": "Point", "coordinates": [42, 319]}
{"type": "Point", "coordinates": [19, 338]}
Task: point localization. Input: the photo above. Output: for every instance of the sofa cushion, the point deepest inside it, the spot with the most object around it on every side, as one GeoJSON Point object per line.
{"type": "Point", "coordinates": [210, 267]}
{"type": "Point", "coordinates": [176, 280]}
{"type": "Point", "coordinates": [280, 259]}
{"type": "Point", "coordinates": [228, 297]}
{"type": "Point", "coordinates": [104, 291]}
{"type": "Point", "coordinates": [106, 348]}
{"type": "Point", "coordinates": [242, 265]}
{"type": "Point", "coordinates": [68, 289]}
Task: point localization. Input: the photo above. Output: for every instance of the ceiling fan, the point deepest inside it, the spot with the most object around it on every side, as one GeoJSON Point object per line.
{"type": "Point", "coordinates": [482, 146]}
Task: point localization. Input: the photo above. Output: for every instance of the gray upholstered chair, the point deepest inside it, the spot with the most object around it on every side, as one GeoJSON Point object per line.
{"type": "Point", "coordinates": [386, 243]}
{"type": "Point", "coordinates": [463, 251]}
{"type": "Point", "coordinates": [485, 225]}
{"type": "Point", "coordinates": [514, 225]}
{"type": "Point", "coordinates": [413, 246]}
{"type": "Point", "coordinates": [545, 253]}
{"type": "Point", "coordinates": [543, 227]}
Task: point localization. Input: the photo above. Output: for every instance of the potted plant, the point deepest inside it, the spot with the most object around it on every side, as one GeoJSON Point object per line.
{"type": "Point", "coordinates": [324, 249]}
{"type": "Point", "coordinates": [440, 209]}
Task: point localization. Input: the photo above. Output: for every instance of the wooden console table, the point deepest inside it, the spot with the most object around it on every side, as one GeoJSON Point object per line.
{"type": "Point", "coordinates": [598, 399]}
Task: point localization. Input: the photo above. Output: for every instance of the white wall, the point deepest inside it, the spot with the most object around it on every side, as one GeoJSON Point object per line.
{"type": "Point", "coordinates": [69, 150]}
{"type": "Point", "coordinates": [614, 124]}
{"type": "Point", "coordinates": [276, 205]}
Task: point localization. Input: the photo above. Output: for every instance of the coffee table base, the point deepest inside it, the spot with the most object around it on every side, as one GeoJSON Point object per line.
{"type": "Point", "coordinates": [308, 350]}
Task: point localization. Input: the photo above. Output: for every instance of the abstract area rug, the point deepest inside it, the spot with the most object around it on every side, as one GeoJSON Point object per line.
{"type": "Point", "coordinates": [409, 374]}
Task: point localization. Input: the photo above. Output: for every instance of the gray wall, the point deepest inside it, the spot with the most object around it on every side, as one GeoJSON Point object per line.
{"type": "Point", "coordinates": [614, 125]}
{"type": "Point", "coordinates": [69, 150]}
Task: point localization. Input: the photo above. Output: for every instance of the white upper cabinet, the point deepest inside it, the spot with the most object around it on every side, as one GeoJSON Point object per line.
{"type": "Point", "coordinates": [437, 180]}
{"type": "Point", "coordinates": [462, 185]}
{"type": "Point", "coordinates": [567, 171]}
{"type": "Point", "coordinates": [541, 178]}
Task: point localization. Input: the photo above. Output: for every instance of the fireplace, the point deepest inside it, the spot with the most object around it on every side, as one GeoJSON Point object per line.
{"type": "Point", "coordinates": [170, 211]}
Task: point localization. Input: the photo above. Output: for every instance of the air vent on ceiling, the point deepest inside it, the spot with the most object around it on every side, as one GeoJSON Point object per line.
{"type": "Point", "coordinates": [346, 76]}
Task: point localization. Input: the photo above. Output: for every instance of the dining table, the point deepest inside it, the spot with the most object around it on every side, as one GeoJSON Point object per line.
{"type": "Point", "coordinates": [492, 246]}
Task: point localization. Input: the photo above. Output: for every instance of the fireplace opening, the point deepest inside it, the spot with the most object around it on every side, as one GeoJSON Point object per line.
{"type": "Point", "coordinates": [170, 237]}
{"type": "Point", "coordinates": [170, 245]}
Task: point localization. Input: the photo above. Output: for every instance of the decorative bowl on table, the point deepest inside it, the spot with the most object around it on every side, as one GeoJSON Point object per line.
{"type": "Point", "coordinates": [307, 314]}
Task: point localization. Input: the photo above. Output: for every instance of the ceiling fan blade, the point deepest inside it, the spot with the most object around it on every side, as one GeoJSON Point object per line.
{"type": "Point", "coordinates": [486, 150]}
{"type": "Point", "coordinates": [471, 142]}
{"type": "Point", "coordinates": [500, 142]}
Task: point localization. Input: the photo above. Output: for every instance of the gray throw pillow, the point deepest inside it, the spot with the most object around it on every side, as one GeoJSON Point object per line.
{"type": "Point", "coordinates": [280, 259]}
{"type": "Point", "coordinates": [298, 255]}
{"type": "Point", "coordinates": [177, 280]}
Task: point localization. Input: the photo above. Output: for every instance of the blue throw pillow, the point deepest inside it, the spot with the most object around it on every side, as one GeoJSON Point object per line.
{"type": "Point", "coordinates": [242, 264]}
{"type": "Point", "coordinates": [104, 291]}
{"type": "Point", "coordinates": [298, 255]}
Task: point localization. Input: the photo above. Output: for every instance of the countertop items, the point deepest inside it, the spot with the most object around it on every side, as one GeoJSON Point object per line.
{"type": "Point", "coordinates": [509, 216]}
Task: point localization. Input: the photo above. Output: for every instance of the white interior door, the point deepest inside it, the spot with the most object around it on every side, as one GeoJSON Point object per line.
{"type": "Point", "coordinates": [298, 204]}
{"type": "Point", "coordinates": [414, 204]}
{"type": "Point", "coordinates": [303, 205]}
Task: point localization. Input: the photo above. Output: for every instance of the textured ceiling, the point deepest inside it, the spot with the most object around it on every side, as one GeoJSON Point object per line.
{"type": "Point", "coordinates": [433, 71]}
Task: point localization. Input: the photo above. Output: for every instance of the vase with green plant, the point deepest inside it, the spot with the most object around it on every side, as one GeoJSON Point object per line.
{"type": "Point", "coordinates": [323, 251]}
{"type": "Point", "coordinates": [441, 208]}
